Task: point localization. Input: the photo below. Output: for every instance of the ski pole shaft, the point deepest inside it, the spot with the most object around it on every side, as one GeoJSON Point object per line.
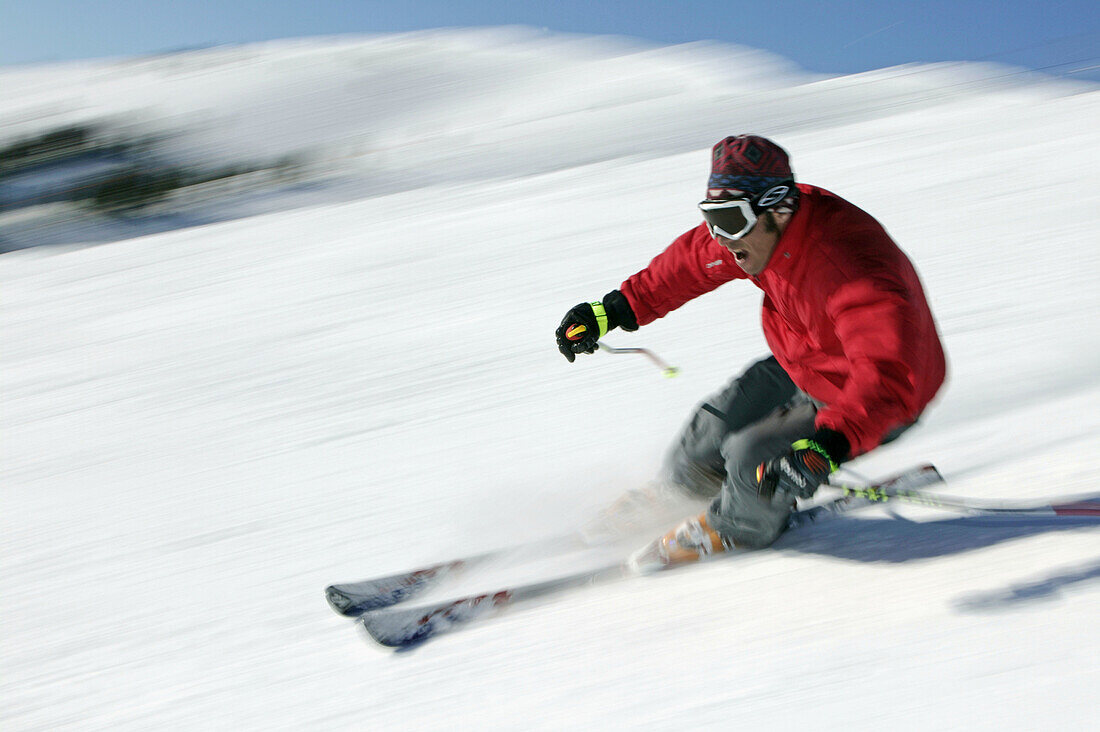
{"type": "Point", "coordinates": [1087, 507]}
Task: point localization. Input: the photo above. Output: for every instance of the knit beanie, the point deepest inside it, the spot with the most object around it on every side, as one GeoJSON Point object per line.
{"type": "Point", "coordinates": [746, 165]}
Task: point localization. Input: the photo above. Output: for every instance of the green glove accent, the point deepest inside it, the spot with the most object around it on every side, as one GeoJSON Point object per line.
{"type": "Point", "coordinates": [601, 316]}
{"type": "Point", "coordinates": [811, 445]}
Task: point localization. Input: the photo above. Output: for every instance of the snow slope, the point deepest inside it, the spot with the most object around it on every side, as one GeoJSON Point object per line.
{"type": "Point", "coordinates": [204, 426]}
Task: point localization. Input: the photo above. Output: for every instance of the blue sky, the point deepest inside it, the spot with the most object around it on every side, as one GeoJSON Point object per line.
{"type": "Point", "coordinates": [830, 37]}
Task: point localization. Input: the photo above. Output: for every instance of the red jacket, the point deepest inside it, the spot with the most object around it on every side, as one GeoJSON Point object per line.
{"type": "Point", "coordinates": [844, 313]}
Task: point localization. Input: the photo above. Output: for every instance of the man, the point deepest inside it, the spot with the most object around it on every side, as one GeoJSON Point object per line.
{"type": "Point", "coordinates": [855, 353]}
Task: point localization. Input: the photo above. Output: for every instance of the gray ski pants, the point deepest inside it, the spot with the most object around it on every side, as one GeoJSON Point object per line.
{"type": "Point", "coordinates": [762, 413]}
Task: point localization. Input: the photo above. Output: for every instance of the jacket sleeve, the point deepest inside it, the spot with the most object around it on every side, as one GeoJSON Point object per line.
{"type": "Point", "coordinates": [692, 265]}
{"type": "Point", "coordinates": [880, 329]}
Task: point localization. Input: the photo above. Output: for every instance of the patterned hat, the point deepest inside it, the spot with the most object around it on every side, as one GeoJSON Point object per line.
{"type": "Point", "coordinates": [746, 165]}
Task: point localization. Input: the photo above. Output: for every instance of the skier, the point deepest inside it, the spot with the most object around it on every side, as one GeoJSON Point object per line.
{"type": "Point", "coordinates": [855, 356]}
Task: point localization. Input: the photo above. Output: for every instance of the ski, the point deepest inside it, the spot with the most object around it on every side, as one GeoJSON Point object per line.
{"type": "Point", "coordinates": [352, 599]}
{"type": "Point", "coordinates": [355, 598]}
{"type": "Point", "coordinates": [404, 627]}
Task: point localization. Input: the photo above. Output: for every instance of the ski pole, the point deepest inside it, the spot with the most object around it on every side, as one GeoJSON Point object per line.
{"type": "Point", "coordinates": [1088, 506]}
{"type": "Point", "coordinates": [668, 371]}
{"type": "Point", "coordinates": [576, 331]}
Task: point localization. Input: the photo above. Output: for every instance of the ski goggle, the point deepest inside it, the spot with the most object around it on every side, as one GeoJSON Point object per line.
{"type": "Point", "coordinates": [733, 218]}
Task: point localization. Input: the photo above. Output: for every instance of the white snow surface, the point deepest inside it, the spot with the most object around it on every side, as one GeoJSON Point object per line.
{"type": "Point", "coordinates": [204, 426]}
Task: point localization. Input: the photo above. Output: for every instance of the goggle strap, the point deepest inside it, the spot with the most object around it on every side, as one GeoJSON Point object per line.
{"type": "Point", "coordinates": [766, 199]}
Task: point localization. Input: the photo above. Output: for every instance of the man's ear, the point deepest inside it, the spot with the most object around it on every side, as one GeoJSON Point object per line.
{"type": "Point", "coordinates": [780, 219]}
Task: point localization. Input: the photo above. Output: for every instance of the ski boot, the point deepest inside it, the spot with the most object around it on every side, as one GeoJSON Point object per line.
{"type": "Point", "coordinates": [690, 541]}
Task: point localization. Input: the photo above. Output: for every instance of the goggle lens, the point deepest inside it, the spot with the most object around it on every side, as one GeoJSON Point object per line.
{"type": "Point", "coordinates": [730, 219]}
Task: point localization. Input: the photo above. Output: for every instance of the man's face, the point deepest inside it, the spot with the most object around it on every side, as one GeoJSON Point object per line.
{"type": "Point", "coordinates": [753, 251]}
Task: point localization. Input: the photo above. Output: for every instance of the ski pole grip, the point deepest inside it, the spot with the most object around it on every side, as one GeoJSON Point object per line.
{"type": "Point", "coordinates": [575, 332]}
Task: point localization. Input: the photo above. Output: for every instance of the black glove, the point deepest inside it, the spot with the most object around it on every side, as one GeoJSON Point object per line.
{"type": "Point", "coordinates": [801, 470]}
{"type": "Point", "coordinates": [586, 323]}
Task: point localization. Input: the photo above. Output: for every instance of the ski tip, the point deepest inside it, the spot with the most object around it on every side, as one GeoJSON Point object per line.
{"type": "Point", "coordinates": [401, 631]}
{"type": "Point", "coordinates": [916, 478]}
{"type": "Point", "coordinates": [338, 601]}
{"type": "Point", "coordinates": [380, 641]}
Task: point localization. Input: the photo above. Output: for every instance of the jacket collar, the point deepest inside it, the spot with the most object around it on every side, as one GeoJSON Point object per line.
{"type": "Point", "coordinates": [794, 239]}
